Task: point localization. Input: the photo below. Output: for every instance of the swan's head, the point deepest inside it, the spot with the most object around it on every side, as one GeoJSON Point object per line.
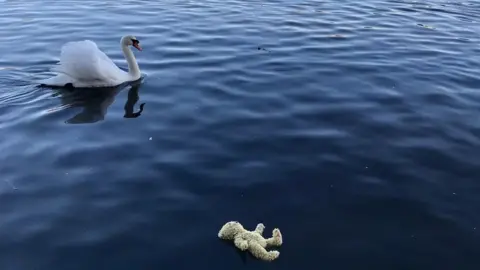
{"type": "Point", "coordinates": [131, 41]}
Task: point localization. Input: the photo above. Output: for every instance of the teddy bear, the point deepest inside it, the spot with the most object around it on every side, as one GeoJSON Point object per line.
{"type": "Point", "coordinates": [252, 241]}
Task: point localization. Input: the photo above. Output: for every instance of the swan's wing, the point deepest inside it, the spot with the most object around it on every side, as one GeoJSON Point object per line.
{"type": "Point", "coordinates": [84, 61]}
{"type": "Point", "coordinates": [105, 63]}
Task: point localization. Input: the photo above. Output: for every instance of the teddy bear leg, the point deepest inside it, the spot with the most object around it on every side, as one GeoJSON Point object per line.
{"type": "Point", "coordinates": [241, 243]}
{"type": "Point", "coordinates": [276, 239]}
{"type": "Point", "coordinates": [260, 253]}
{"type": "Point", "coordinates": [259, 229]}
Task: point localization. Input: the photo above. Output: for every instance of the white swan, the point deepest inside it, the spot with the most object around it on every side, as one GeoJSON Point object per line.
{"type": "Point", "coordinates": [83, 64]}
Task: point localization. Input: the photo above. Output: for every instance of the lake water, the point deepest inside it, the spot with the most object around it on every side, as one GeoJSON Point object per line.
{"type": "Point", "coordinates": [353, 126]}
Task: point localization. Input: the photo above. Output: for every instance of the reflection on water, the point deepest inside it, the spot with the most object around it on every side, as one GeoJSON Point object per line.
{"type": "Point", "coordinates": [133, 97]}
{"type": "Point", "coordinates": [95, 102]}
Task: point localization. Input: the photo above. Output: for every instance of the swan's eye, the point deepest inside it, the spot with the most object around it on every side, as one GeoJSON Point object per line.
{"type": "Point", "coordinates": [136, 44]}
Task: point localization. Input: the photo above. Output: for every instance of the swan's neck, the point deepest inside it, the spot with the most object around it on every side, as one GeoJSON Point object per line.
{"type": "Point", "coordinates": [133, 69]}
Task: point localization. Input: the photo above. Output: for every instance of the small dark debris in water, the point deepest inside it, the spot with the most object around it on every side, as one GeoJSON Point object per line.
{"type": "Point", "coordinates": [262, 49]}
{"type": "Point", "coordinates": [425, 26]}
{"type": "Point", "coordinates": [11, 185]}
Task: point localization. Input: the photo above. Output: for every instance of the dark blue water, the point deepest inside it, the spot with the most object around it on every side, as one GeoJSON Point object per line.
{"type": "Point", "coordinates": [353, 126]}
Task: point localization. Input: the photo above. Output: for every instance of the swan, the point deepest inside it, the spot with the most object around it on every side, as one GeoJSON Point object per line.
{"type": "Point", "coordinates": [83, 64]}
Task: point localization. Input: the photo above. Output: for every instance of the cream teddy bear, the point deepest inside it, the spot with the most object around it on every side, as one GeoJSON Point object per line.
{"type": "Point", "coordinates": [252, 241]}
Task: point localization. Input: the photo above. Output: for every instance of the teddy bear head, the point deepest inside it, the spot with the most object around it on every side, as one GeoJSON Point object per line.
{"type": "Point", "coordinates": [230, 230]}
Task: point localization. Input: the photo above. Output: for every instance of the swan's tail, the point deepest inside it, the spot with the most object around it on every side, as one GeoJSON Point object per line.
{"type": "Point", "coordinates": [59, 80]}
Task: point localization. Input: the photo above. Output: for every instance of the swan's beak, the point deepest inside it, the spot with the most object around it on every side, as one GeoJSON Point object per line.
{"type": "Point", "coordinates": [136, 45]}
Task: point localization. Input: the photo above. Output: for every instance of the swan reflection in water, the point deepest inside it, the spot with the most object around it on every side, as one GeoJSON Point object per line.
{"type": "Point", "coordinates": [95, 102]}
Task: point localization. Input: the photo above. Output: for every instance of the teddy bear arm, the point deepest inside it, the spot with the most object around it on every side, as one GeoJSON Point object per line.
{"type": "Point", "coordinates": [241, 243]}
{"type": "Point", "coordinates": [276, 239]}
{"type": "Point", "coordinates": [261, 253]}
{"type": "Point", "coordinates": [259, 229]}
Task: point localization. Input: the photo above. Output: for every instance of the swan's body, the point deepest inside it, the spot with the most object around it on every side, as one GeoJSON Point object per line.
{"type": "Point", "coordinates": [83, 64]}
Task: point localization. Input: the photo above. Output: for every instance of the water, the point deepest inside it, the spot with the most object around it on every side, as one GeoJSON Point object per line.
{"type": "Point", "coordinates": [350, 125]}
